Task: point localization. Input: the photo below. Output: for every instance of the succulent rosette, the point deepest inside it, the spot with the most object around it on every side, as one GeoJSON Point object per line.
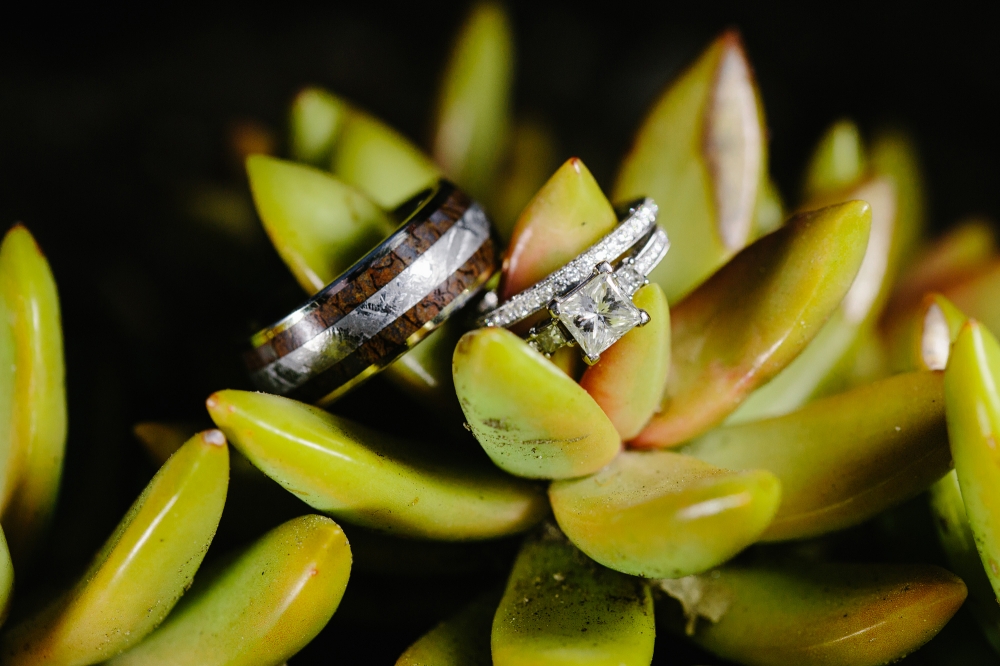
{"type": "Point", "coordinates": [732, 475]}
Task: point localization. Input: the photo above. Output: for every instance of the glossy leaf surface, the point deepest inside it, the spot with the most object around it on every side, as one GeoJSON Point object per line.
{"type": "Point", "coordinates": [380, 162]}
{"type": "Point", "coordinates": [314, 121]}
{"type": "Point", "coordinates": [561, 608]}
{"type": "Point", "coordinates": [6, 578]}
{"type": "Point", "coordinates": [959, 545]}
{"type": "Point", "coordinates": [817, 613]}
{"type": "Point", "coordinates": [629, 380]}
{"type": "Point", "coordinates": [318, 224]}
{"type": "Point", "coordinates": [530, 418]}
{"type": "Point", "coordinates": [754, 316]}
{"type": "Point", "coordinates": [845, 458]}
{"type": "Point", "coordinates": [260, 608]}
{"type": "Point", "coordinates": [141, 571]}
{"type": "Point", "coordinates": [973, 408]}
{"type": "Point", "coordinates": [565, 217]}
{"type": "Point", "coordinates": [702, 155]}
{"type": "Point", "coordinates": [371, 479]}
{"type": "Point", "coordinates": [461, 640]}
{"type": "Point", "coordinates": [473, 114]}
{"type": "Point", "coordinates": [34, 431]}
{"type": "Point", "coordinates": [924, 341]}
{"type": "Point", "coordinates": [661, 514]}
{"type": "Point", "coordinates": [824, 366]}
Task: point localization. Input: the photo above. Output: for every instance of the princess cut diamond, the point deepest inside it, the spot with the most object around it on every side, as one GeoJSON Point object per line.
{"type": "Point", "coordinates": [597, 313]}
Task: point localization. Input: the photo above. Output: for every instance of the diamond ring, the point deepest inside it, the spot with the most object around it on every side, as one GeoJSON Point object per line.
{"type": "Point", "coordinates": [589, 300]}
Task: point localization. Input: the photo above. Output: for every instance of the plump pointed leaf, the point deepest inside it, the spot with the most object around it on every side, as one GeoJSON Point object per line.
{"type": "Point", "coordinates": [380, 162]}
{"type": "Point", "coordinates": [562, 608]}
{"type": "Point", "coordinates": [894, 156]}
{"type": "Point", "coordinates": [161, 440]}
{"type": "Point", "coordinates": [825, 365]}
{"type": "Point", "coordinates": [973, 408]}
{"type": "Point", "coordinates": [319, 225]}
{"type": "Point", "coordinates": [531, 159]}
{"type": "Point", "coordinates": [530, 418]}
{"type": "Point", "coordinates": [702, 155]}
{"type": "Point", "coordinates": [839, 161]}
{"type": "Point", "coordinates": [141, 571]}
{"type": "Point", "coordinates": [566, 216]}
{"type": "Point", "coordinates": [461, 640]}
{"type": "Point", "coordinates": [371, 479]}
{"type": "Point", "coordinates": [473, 112]}
{"type": "Point", "coordinates": [816, 613]}
{"type": "Point", "coordinates": [661, 514]}
{"type": "Point", "coordinates": [959, 545]}
{"type": "Point", "coordinates": [259, 609]}
{"type": "Point", "coordinates": [752, 318]}
{"type": "Point", "coordinates": [923, 341]}
{"type": "Point", "coordinates": [34, 439]}
{"type": "Point", "coordinates": [629, 380]}
{"type": "Point", "coordinates": [6, 578]}
{"type": "Point", "coordinates": [314, 121]}
{"type": "Point", "coordinates": [844, 458]}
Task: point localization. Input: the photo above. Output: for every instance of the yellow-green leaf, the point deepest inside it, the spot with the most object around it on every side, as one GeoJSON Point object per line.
{"type": "Point", "coordinates": [702, 155]}
{"type": "Point", "coordinates": [816, 612]}
{"type": "Point", "coordinates": [838, 161]}
{"type": "Point", "coordinates": [259, 609]}
{"type": "Point", "coordinates": [365, 477]}
{"type": "Point", "coordinates": [661, 514]}
{"type": "Point", "coordinates": [530, 418]}
{"type": "Point", "coordinates": [562, 608]}
{"type": "Point", "coordinates": [34, 434]}
{"type": "Point", "coordinates": [844, 458]}
{"type": "Point", "coordinates": [473, 111]}
{"type": "Point", "coordinates": [319, 225]}
{"type": "Point", "coordinates": [753, 317]}
{"type": "Point", "coordinates": [314, 121]}
{"type": "Point", "coordinates": [6, 578]}
{"type": "Point", "coordinates": [532, 157]}
{"type": "Point", "coordinates": [141, 571]}
{"type": "Point", "coordinates": [461, 640]}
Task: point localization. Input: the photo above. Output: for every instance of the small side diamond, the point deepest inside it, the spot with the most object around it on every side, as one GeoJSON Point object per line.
{"type": "Point", "coordinates": [548, 337]}
{"type": "Point", "coordinates": [598, 313]}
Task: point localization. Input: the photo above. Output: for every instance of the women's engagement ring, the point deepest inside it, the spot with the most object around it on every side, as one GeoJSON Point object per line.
{"type": "Point", "coordinates": [589, 300]}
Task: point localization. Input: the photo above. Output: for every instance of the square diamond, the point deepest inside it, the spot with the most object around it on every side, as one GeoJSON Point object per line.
{"type": "Point", "coordinates": [597, 314]}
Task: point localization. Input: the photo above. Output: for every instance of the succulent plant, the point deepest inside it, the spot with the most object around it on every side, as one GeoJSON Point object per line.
{"type": "Point", "coordinates": [730, 476]}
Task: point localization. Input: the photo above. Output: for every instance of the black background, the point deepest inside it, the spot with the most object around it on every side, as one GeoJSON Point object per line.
{"type": "Point", "coordinates": [109, 119]}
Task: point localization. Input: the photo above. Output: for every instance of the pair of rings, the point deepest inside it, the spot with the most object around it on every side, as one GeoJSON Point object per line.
{"type": "Point", "coordinates": [437, 261]}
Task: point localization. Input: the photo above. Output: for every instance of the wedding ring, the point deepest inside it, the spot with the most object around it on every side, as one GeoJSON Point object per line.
{"type": "Point", "coordinates": [433, 264]}
{"type": "Point", "coordinates": [589, 300]}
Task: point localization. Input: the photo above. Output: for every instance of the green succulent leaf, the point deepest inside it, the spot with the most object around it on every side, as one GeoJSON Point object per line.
{"type": "Point", "coordinates": [629, 380]}
{"type": "Point", "coordinates": [531, 159]}
{"type": "Point", "coordinates": [530, 418]}
{"type": "Point", "coordinates": [461, 640]}
{"type": "Point", "coordinates": [753, 317]}
{"type": "Point", "coordinates": [473, 112]}
{"type": "Point", "coordinates": [318, 224]}
{"type": "Point", "coordinates": [816, 612]}
{"type": "Point", "coordinates": [32, 386]}
{"type": "Point", "coordinates": [6, 578]}
{"type": "Point", "coordinates": [141, 571]}
{"type": "Point", "coordinates": [702, 155]}
{"type": "Point", "coordinates": [959, 543]}
{"type": "Point", "coordinates": [161, 440]}
{"type": "Point", "coordinates": [561, 608]}
{"type": "Point", "coordinates": [314, 121]}
{"type": "Point", "coordinates": [894, 156]}
{"type": "Point", "coordinates": [924, 341]}
{"type": "Point", "coordinates": [661, 514]}
{"type": "Point", "coordinates": [844, 458]}
{"type": "Point", "coordinates": [375, 159]}
{"type": "Point", "coordinates": [838, 162]}
{"type": "Point", "coordinates": [973, 409]}
{"type": "Point", "coordinates": [979, 296]}
{"type": "Point", "coordinates": [259, 609]}
{"type": "Point", "coordinates": [565, 217]}
{"type": "Point", "coordinates": [365, 477]}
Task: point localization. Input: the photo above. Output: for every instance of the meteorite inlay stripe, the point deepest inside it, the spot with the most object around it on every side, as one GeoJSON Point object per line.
{"type": "Point", "coordinates": [411, 286]}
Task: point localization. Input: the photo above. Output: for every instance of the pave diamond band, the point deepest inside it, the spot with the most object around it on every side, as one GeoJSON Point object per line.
{"type": "Point", "coordinates": [438, 259]}
{"type": "Point", "coordinates": [588, 300]}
